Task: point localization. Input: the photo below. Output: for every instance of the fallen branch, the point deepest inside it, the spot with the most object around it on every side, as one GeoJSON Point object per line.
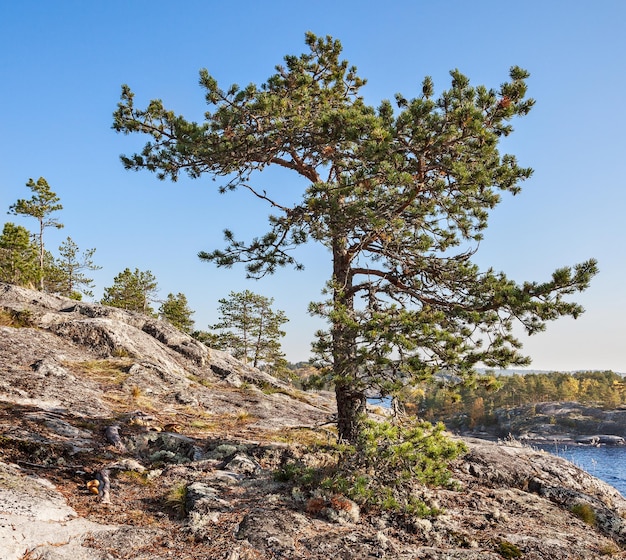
{"type": "Point", "coordinates": [104, 486]}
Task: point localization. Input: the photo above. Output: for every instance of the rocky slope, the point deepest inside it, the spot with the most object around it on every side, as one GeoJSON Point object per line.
{"type": "Point", "coordinates": [190, 439]}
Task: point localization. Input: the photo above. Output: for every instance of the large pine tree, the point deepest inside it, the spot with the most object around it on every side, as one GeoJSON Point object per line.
{"type": "Point", "coordinates": [399, 195]}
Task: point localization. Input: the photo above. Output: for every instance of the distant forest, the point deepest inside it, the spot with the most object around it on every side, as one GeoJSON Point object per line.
{"type": "Point", "coordinates": [605, 389]}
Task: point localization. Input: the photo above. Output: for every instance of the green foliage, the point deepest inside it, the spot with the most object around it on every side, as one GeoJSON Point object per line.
{"type": "Point", "coordinates": [19, 261]}
{"type": "Point", "coordinates": [399, 196]}
{"type": "Point", "coordinates": [385, 466]}
{"type": "Point", "coordinates": [68, 267]}
{"type": "Point", "coordinates": [251, 330]}
{"type": "Point", "coordinates": [40, 206]}
{"type": "Point", "coordinates": [132, 291]}
{"type": "Point", "coordinates": [509, 550]}
{"type": "Point", "coordinates": [297, 473]}
{"type": "Point", "coordinates": [175, 309]}
{"type": "Point", "coordinates": [584, 512]}
{"type": "Point", "coordinates": [477, 401]}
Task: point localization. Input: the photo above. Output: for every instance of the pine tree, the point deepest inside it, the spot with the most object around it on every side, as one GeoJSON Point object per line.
{"type": "Point", "coordinates": [67, 271]}
{"type": "Point", "coordinates": [43, 203]}
{"type": "Point", "coordinates": [175, 309]}
{"type": "Point", "coordinates": [251, 330]}
{"type": "Point", "coordinates": [132, 291]}
{"type": "Point", "coordinates": [400, 196]}
{"type": "Point", "coordinates": [19, 260]}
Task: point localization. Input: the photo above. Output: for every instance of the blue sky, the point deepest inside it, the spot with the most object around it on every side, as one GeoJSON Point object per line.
{"type": "Point", "coordinates": [62, 64]}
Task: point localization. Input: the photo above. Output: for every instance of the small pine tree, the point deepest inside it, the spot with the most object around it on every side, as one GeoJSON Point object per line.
{"type": "Point", "coordinates": [19, 261]}
{"type": "Point", "coordinates": [175, 309]}
{"type": "Point", "coordinates": [43, 203]}
{"type": "Point", "coordinates": [68, 271]}
{"type": "Point", "coordinates": [132, 291]}
{"type": "Point", "coordinates": [250, 330]}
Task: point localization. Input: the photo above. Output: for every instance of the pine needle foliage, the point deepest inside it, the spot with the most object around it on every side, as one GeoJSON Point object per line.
{"type": "Point", "coordinates": [386, 467]}
{"type": "Point", "coordinates": [399, 194]}
{"type": "Point", "coordinates": [390, 461]}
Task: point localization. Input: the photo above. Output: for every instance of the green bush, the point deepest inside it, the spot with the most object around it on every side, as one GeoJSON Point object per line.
{"type": "Point", "coordinates": [509, 550]}
{"type": "Point", "coordinates": [386, 466]}
{"type": "Point", "coordinates": [584, 512]}
{"type": "Point", "coordinates": [390, 459]}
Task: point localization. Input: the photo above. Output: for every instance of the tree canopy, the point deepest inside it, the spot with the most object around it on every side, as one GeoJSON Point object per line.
{"type": "Point", "coordinates": [176, 310]}
{"type": "Point", "coordinates": [400, 194]}
{"type": "Point", "coordinates": [19, 260]}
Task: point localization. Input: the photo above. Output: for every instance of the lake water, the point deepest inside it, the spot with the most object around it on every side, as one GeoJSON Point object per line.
{"type": "Point", "coordinates": [607, 463]}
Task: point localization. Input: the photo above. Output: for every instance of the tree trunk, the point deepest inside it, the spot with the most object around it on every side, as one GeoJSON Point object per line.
{"type": "Point", "coordinates": [41, 256]}
{"type": "Point", "coordinates": [350, 410]}
{"type": "Point", "coordinates": [349, 392]}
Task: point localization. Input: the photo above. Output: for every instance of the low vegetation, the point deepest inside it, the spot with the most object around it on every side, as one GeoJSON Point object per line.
{"type": "Point", "coordinates": [584, 512]}
{"type": "Point", "coordinates": [16, 319]}
{"type": "Point", "coordinates": [383, 468]}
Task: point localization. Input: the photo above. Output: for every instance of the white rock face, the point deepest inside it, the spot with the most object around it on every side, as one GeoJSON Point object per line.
{"type": "Point", "coordinates": [35, 516]}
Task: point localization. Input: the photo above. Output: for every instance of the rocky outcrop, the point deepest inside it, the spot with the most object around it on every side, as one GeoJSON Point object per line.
{"type": "Point", "coordinates": [61, 354]}
{"type": "Point", "coordinates": [190, 440]}
{"type": "Point", "coordinates": [554, 422]}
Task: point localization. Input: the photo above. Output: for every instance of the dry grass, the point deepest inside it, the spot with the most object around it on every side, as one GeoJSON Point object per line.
{"type": "Point", "coordinates": [306, 436]}
{"type": "Point", "coordinates": [16, 319]}
{"type": "Point", "coordinates": [109, 373]}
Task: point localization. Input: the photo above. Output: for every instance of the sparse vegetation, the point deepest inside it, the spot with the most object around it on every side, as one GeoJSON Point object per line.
{"type": "Point", "coordinates": [508, 550]}
{"type": "Point", "coordinates": [383, 468]}
{"type": "Point", "coordinates": [200, 380]}
{"type": "Point", "coordinates": [584, 512]}
{"type": "Point", "coordinates": [609, 549]}
{"type": "Point", "coordinates": [16, 319]}
{"type": "Point", "coordinates": [176, 498]}
{"type": "Point", "coordinates": [136, 392]}
{"type": "Point", "coordinates": [111, 371]}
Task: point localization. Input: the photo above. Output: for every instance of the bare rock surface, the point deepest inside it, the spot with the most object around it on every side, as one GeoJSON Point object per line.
{"type": "Point", "coordinates": [34, 515]}
{"type": "Point", "coordinates": [189, 439]}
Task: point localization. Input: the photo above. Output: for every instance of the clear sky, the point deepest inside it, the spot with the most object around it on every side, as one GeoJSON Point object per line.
{"type": "Point", "coordinates": [62, 64]}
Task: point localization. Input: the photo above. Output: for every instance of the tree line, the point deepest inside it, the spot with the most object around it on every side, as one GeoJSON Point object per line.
{"type": "Point", "coordinates": [479, 400]}
{"type": "Point", "coordinates": [249, 327]}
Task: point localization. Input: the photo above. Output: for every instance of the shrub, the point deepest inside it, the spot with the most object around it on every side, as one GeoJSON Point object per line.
{"type": "Point", "coordinates": [509, 550]}
{"type": "Point", "coordinates": [584, 512]}
{"type": "Point", "coordinates": [390, 459]}
{"type": "Point", "coordinates": [385, 467]}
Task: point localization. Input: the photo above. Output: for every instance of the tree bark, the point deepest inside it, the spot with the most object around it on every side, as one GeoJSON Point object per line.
{"type": "Point", "coordinates": [349, 392]}
{"type": "Point", "coordinates": [350, 411]}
